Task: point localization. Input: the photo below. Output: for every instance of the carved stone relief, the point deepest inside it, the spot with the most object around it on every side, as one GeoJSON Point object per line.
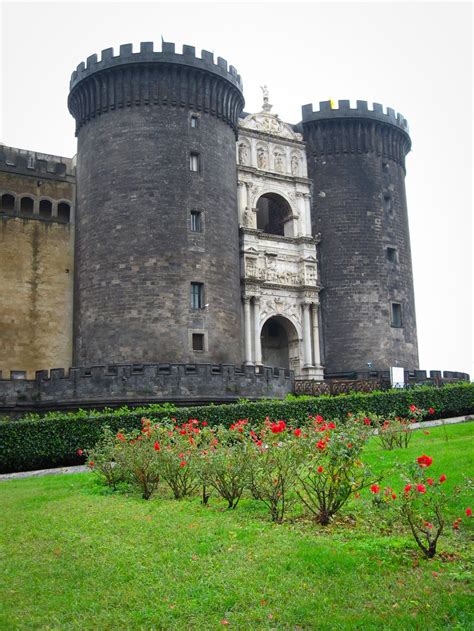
{"type": "Point", "coordinates": [262, 161]}
{"type": "Point", "coordinates": [243, 154]}
{"type": "Point", "coordinates": [295, 165]}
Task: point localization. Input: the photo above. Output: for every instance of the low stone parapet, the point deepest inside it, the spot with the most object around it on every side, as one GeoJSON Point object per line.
{"type": "Point", "coordinates": [133, 384]}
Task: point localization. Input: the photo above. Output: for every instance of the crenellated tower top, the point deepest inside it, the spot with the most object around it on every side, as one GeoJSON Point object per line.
{"type": "Point", "coordinates": [162, 78]}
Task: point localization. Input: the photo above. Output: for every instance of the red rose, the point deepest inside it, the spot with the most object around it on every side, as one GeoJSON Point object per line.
{"type": "Point", "coordinates": [91, 463]}
{"type": "Point", "coordinates": [183, 432]}
{"type": "Point", "coordinates": [424, 460]}
{"type": "Point", "coordinates": [297, 432]}
{"type": "Point", "coordinates": [121, 437]}
{"type": "Point", "coordinates": [412, 408]}
{"type": "Point", "coordinates": [431, 410]}
{"type": "Point", "coordinates": [430, 481]}
{"type": "Point", "coordinates": [375, 488]}
{"type": "Point", "coordinates": [321, 445]}
{"type": "Point", "coordinates": [331, 425]}
{"type": "Point", "coordinates": [156, 446]}
{"type": "Point", "coordinates": [79, 452]}
{"type": "Point", "coordinates": [182, 463]}
{"type": "Point", "coordinates": [319, 419]}
{"type": "Point", "coordinates": [394, 496]}
{"type": "Point", "coordinates": [421, 488]}
{"type": "Point", "coordinates": [320, 469]}
{"type": "Point", "coordinates": [204, 423]}
{"type": "Point", "coordinates": [407, 489]}
{"type": "Point", "coordinates": [367, 421]}
{"type": "Point", "coordinates": [469, 512]}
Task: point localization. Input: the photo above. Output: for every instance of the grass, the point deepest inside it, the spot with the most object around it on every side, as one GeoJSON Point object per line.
{"type": "Point", "coordinates": [77, 557]}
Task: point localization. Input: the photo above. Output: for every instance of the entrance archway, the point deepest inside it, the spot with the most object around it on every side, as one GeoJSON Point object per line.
{"type": "Point", "coordinates": [280, 348]}
{"type": "Point", "coordinates": [274, 215]}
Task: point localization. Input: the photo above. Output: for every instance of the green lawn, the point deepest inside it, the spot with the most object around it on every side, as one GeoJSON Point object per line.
{"type": "Point", "coordinates": [76, 557]}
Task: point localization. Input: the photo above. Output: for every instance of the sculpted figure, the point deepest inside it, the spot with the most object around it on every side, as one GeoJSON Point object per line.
{"type": "Point", "coordinates": [295, 165]}
{"type": "Point", "coordinates": [261, 158]}
{"type": "Point", "coordinates": [243, 154]}
{"type": "Point", "coordinates": [279, 162]}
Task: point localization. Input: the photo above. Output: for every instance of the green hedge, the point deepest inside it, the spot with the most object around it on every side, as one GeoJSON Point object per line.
{"type": "Point", "coordinates": [53, 440]}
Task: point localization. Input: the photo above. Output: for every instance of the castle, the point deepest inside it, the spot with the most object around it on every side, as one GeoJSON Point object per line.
{"type": "Point", "coordinates": [192, 251]}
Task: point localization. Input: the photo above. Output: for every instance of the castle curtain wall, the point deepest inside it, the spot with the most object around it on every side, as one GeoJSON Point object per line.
{"type": "Point", "coordinates": [36, 273]}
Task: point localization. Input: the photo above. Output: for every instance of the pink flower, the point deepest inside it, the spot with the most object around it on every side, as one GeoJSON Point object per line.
{"type": "Point", "coordinates": [79, 452]}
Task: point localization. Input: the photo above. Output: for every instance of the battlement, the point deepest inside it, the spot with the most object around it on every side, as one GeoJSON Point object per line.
{"type": "Point", "coordinates": [148, 55]}
{"type": "Point", "coordinates": [35, 163]}
{"type": "Point", "coordinates": [140, 383]}
{"type": "Point", "coordinates": [344, 111]}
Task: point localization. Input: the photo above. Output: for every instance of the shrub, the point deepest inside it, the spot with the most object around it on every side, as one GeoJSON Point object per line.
{"type": "Point", "coordinates": [330, 467]}
{"type": "Point", "coordinates": [273, 461]}
{"type": "Point", "coordinates": [420, 504]}
{"type": "Point", "coordinates": [225, 462]}
{"type": "Point", "coordinates": [395, 431]}
{"type": "Point", "coordinates": [137, 456]}
{"type": "Point", "coordinates": [103, 458]}
{"type": "Point", "coordinates": [177, 454]}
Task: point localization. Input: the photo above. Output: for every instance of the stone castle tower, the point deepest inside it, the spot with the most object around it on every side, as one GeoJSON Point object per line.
{"type": "Point", "coordinates": [156, 151]}
{"type": "Point", "coordinates": [206, 243]}
{"type": "Point", "coordinates": [356, 161]}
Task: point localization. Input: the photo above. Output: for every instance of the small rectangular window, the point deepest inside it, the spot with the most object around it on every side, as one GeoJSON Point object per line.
{"type": "Point", "coordinates": [197, 291]}
{"type": "Point", "coordinates": [196, 221]}
{"type": "Point", "coordinates": [396, 314]}
{"type": "Point", "coordinates": [387, 203]}
{"type": "Point", "coordinates": [392, 255]}
{"type": "Point", "coordinates": [194, 122]}
{"type": "Point", "coordinates": [198, 341]}
{"type": "Point", "coordinates": [194, 162]}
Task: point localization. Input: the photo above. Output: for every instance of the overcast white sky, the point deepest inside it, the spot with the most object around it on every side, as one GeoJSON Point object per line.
{"type": "Point", "coordinates": [415, 57]}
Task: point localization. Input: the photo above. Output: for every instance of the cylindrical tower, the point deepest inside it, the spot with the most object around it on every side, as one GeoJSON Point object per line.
{"type": "Point", "coordinates": [157, 259]}
{"type": "Point", "coordinates": [356, 161]}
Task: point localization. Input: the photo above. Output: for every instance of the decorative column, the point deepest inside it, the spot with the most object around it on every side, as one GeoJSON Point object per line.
{"type": "Point", "coordinates": [307, 214]}
{"type": "Point", "coordinates": [247, 332]}
{"type": "Point", "coordinates": [249, 196]}
{"type": "Point", "coordinates": [316, 351]}
{"type": "Point", "coordinates": [306, 335]}
{"type": "Point", "coordinates": [256, 331]}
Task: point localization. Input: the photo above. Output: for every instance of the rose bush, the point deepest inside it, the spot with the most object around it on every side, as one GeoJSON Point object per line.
{"type": "Point", "coordinates": [330, 468]}
{"type": "Point", "coordinates": [420, 503]}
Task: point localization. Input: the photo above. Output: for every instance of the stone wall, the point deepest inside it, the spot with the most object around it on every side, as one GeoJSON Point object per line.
{"type": "Point", "coordinates": [36, 261]}
{"type": "Point", "coordinates": [100, 386]}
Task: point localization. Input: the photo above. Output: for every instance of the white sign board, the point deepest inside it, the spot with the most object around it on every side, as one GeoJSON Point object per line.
{"type": "Point", "coordinates": [397, 377]}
